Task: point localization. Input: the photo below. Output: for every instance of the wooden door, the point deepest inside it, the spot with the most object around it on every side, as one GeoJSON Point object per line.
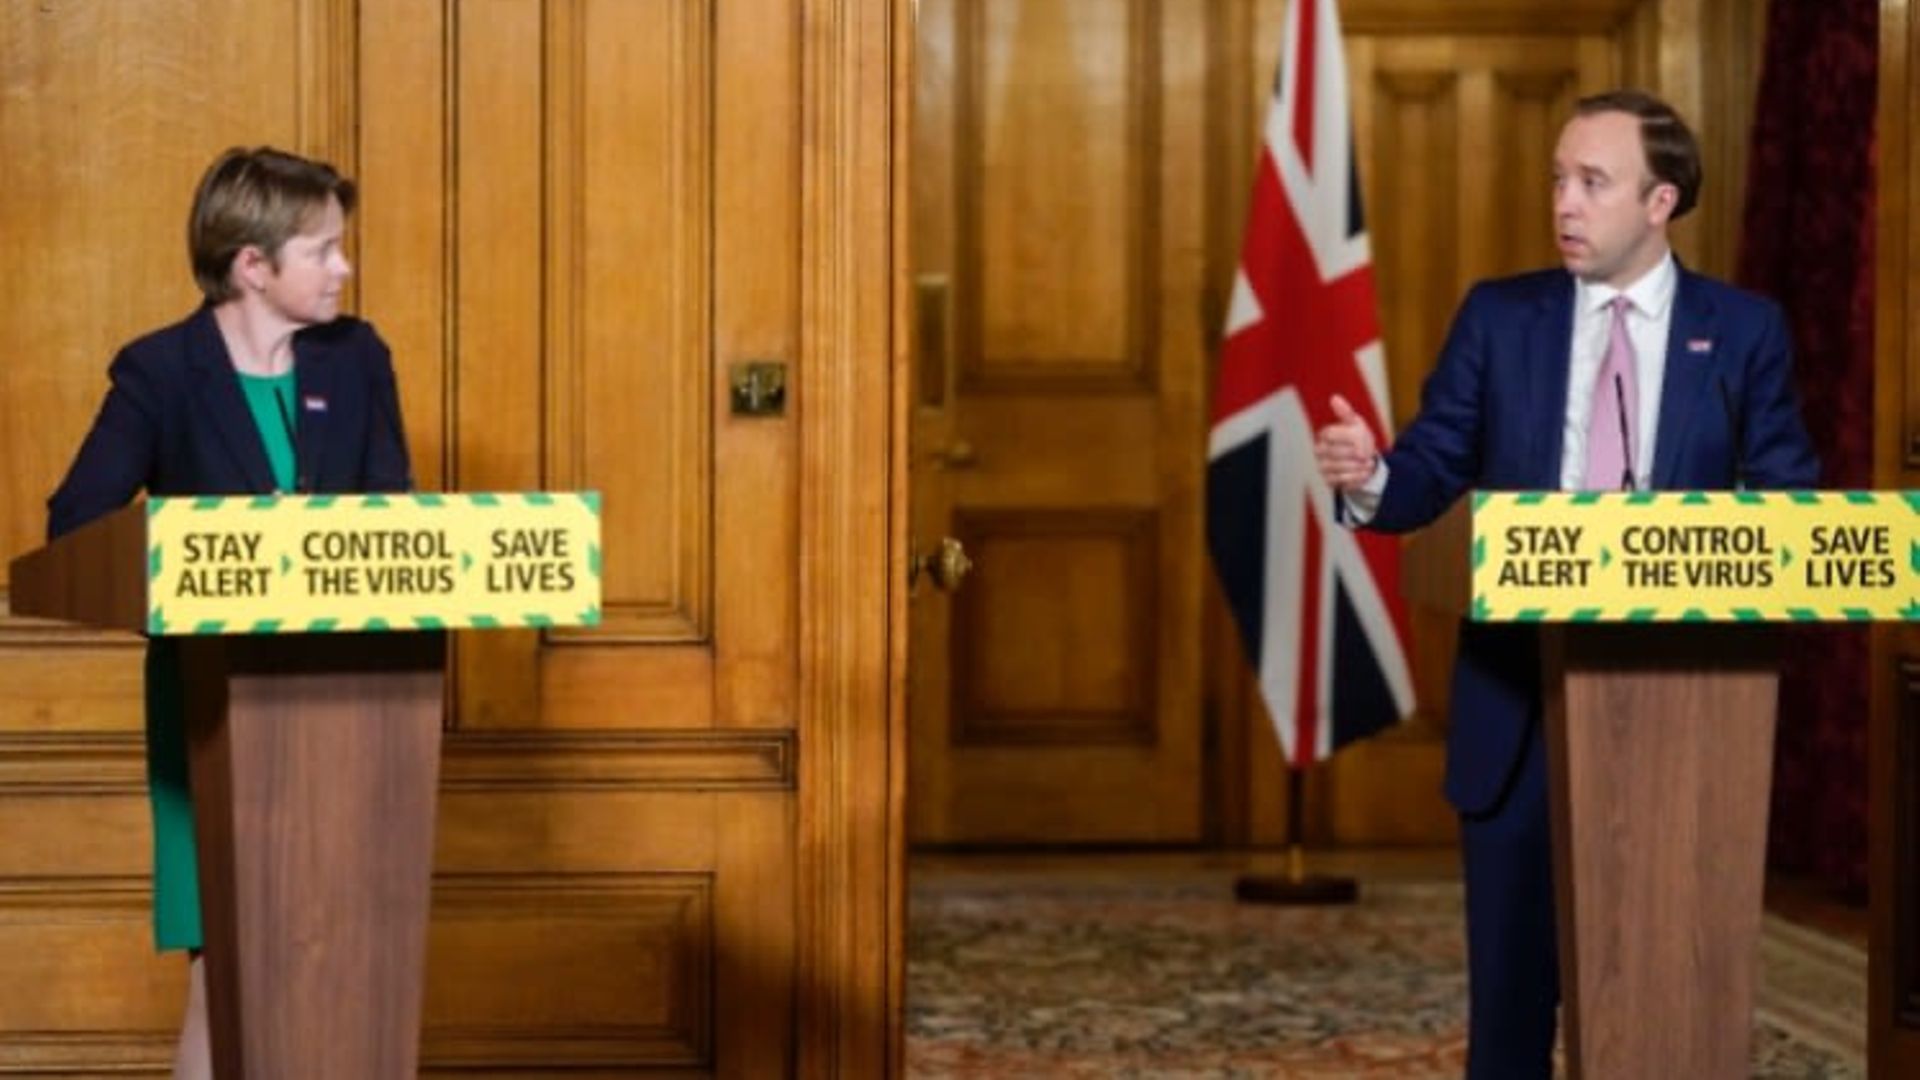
{"type": "Point", "coordinates": [1058, 419]}
{"type": "Point", "coordinates": [666, 844]}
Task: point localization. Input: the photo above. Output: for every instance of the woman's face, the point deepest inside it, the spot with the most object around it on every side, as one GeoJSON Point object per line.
{"type": "Point", "coordinates": [304, 287]}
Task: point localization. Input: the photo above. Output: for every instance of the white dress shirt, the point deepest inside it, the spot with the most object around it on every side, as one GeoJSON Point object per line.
{"type": "Point", "coordinates": [1649, 324]}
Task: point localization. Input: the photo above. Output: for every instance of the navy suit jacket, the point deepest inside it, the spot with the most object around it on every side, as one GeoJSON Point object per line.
{"type": "Point", "coordinates": [1491, 418]}
{"type": "Point", "coordinates": [175, 422]}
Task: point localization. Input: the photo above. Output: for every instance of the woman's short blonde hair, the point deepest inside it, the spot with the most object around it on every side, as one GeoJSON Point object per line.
{"type": "Point", "coordinates": [260, 198]}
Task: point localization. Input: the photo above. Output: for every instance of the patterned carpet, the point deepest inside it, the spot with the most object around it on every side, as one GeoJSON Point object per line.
{"type": "Point", "coordinates": [1026, 978]}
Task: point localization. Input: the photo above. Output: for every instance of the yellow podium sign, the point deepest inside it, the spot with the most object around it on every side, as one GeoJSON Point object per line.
{"type": "Point", "coordinates": [1696, 556]}
{"type": "Point", "coordinates": [286, 564]}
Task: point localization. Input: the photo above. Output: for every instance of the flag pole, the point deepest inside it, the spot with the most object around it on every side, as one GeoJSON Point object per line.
{"type": "Point", "coordinates": [1297, 888]}
{"type": "Point", "coordinates": [1304, 255]}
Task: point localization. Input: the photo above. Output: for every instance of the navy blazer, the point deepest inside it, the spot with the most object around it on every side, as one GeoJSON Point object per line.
{"type": "Point", "coordinates": [175, 422]}
{"type": "Point", "coordinates": [1491, 418]}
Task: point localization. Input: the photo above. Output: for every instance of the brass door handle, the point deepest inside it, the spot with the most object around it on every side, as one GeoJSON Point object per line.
{"type": "Point", "coordinates": [946, 565]}
{"type": "Point", "coordinates": [958, 454]}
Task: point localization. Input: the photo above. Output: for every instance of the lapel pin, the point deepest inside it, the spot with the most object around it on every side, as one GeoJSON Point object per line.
{"type": "Point", "coordinates": [314, 403]}
{"type": "Point", "coordinates": [1699, 345]}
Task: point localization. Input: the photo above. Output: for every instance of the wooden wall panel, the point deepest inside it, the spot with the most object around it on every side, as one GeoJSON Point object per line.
{"type": "Point", "coordinates": [159, 107]}
{"type": "Point", "coordinates": [84, 993]}
{"type": "Point", "coordinates": [82, 282]}
{"type": "Point", "coordinates": [578, 332]}
{"type": "Point", "coordinates": [630, 302]}
{"type": "Point", "coordinates": [759, 314]}
{"type": "Point", "coordinates": [99, 150]}
{"type": "Point", "coordinates": [577, 217]}
{"type": "Point", "coordinates": [1528, 109]}
{"type": "Point", "coordinates": [1061, 194]}
{"type": "Point", "coordinates": [403, 230]}
{"type": "Point", "coordinates": [1704, 56]}
{"type": "Point", "coordinates": [1413, 118]}
{"type": "Point", "coordinates": [602, 970]}
{"type": "Point", "coordinates": [498, 78]}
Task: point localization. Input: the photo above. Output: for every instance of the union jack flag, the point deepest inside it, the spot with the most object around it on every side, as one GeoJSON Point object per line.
{"type": "Point", "coordinates": [1317, 604]}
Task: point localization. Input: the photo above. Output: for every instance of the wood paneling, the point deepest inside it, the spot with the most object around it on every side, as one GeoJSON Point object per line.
{"type": "Point", "coordinates": [1704, 56]}
{"type": "Point", "coordinates": [1054, 635]}
{"type": "Point", "coordinates": [599, 970]}
{"type": "Point", "coordinates": [630, 298]}
{"type": "Point", "coordinates": [86, 278]}
{"type": "Point", "coordinates": [1059, 187]}
{"type": "Point", "coordinates": [86, 993]}
{"type": "Point", "coordinates": [1442, 18]}
{"type": "Point", "coordinates": [576, 216]}
{"type": "Point", "coordinates": [699, 760]}
{"type": "Point", "coordinates": [112, 112]}
{"type": "Point", "coordinates": [1085, 240]}
{"type": "Point", "coordinates": [1413, 118]}
{"type": "Point", "coordinates": [848, 826]}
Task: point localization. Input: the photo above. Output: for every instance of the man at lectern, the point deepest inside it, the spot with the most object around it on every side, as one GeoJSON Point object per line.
{"type": "Point", "coordinates": [265, 388]}
{"type": "Point", "coordinates": [1621, 370]}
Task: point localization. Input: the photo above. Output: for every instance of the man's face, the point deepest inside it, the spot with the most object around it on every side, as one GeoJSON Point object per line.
{"type": "Point", "coordinates": [303, 285]}
{"type": "Point", "coordinates": [1609, 220]}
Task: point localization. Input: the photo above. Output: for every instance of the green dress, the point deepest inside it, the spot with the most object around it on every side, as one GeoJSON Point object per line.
{"type": "Point", "coordinates": [176, 876]}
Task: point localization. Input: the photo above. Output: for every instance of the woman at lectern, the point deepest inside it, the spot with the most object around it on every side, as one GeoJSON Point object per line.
{"type": "Point", "coordinates": [265, 388]}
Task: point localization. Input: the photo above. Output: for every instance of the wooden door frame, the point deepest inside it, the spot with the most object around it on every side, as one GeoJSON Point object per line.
{"type": "Point", "coordinates": [849, 392]}
{"type": "Point", "coordinates": [1893, 1042]}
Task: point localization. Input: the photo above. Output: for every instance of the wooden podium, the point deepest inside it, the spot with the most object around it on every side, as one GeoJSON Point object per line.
{"type": "Point", "coordinates": [1660, 743]}
{"type": "Point", "coordinates": [314, 761]}
{"type": "Point", "coordinates": [315, 753]}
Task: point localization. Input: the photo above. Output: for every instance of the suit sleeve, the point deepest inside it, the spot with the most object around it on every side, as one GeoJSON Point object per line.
{"type": "Point", "coordinates": [1435, 460]}
{"type": "Point", "coordinates": [385, 464]}
{"type": "Point", "coordinates": [116, 459]}
{"type": "Point", "coordinates": [1775, 448]}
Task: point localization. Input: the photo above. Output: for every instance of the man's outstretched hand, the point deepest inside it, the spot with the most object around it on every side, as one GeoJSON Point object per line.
{"type": "Point", "coordinates": [1344, 450]}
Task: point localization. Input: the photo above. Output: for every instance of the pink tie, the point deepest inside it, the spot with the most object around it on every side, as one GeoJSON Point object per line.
{"type": "Point", "coordinates": [1616, 405]}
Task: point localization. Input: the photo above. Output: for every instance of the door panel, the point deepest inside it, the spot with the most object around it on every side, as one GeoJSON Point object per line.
{"type": "Point", "coordinates": [1057, 202]}
{"type": "Point", "coordinates": [599, 286]}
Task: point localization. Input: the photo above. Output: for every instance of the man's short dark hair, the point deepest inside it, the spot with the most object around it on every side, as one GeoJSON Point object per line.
{"type": "Point", "coordinates": [1673, 157]}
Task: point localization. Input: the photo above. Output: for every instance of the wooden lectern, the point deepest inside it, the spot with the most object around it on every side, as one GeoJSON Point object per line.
{"type": "Point", "coordinates": [315, 760]}
{"type": "Point", "coordinates": [1660, 741]}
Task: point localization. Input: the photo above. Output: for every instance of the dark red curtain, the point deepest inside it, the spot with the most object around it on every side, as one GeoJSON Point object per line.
{"type": "Point", "coordinates": [1807, 241]}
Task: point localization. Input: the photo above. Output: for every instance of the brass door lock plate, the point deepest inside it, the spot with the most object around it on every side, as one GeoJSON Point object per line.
{"type": "Point", "coordinates": [759, 388]}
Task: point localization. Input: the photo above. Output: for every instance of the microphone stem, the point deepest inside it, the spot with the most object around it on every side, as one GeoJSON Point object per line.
{"type": "Point", "coordinates": [1626, 437]}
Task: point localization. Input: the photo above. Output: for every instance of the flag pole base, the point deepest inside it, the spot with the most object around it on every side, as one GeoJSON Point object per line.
{"type": "Point", "coordinates": [1296, 888]}
{"type": "Point", "coordinates": [1310, 891]}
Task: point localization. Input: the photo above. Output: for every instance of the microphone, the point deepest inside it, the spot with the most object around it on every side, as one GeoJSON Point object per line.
{"type": "Point", "coordinates": [1626, 439]}
{"type": "Point", "coordinates": [1733, 430]}
{"type": "Point", "coordinates": [293, 443]}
